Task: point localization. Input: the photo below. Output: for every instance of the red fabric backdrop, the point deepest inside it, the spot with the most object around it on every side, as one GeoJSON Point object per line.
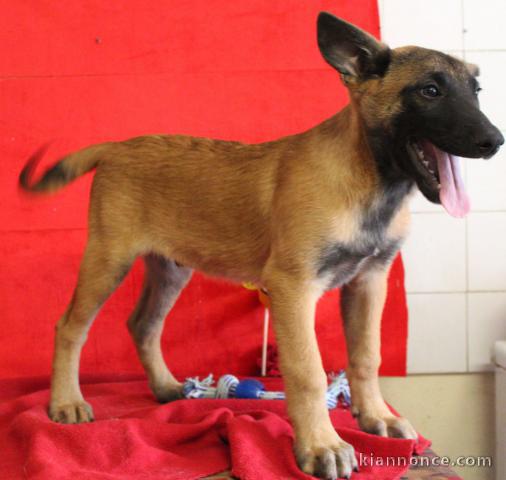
{"type": "Point", "coordinates": [89, 71]}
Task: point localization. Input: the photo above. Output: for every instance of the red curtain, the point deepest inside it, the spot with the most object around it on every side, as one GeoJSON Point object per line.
{"type": "Point", "coordinates": [88, 71]}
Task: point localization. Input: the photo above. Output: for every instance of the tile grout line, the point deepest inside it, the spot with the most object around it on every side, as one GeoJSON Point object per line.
{"type": "Point", "coordinates": [485, 50]}
{"type": "Point", "coordinates": [466, 224]}
{"type": "Point", "coordinates": [455, 292]}
{"type": "Point", "coordinates": [463, 24]}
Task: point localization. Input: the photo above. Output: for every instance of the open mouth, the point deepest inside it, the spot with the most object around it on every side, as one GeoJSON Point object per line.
{"type": "Point", "coordinates": [440, 176]}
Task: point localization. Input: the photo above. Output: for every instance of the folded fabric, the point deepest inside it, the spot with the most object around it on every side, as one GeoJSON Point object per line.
{"type": "Point", "coordinates": [134, 437]}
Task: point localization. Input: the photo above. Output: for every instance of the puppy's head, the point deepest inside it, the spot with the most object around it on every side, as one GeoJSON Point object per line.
{"type": "Point", "coordinates": [422, 103]}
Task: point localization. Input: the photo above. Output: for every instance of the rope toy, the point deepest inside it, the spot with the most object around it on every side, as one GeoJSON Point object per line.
{"type": "Point", "coordinates": [229, 386]}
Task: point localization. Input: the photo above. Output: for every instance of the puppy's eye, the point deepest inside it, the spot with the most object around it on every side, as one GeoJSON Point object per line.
{"type": "Point", "coordinates": [430, 91]}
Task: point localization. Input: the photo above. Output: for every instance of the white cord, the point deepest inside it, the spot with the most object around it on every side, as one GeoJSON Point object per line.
{"type": "Point", "coordinates": [264, 344]}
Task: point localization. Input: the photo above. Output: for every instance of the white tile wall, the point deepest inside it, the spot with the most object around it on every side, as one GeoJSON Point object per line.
{"type": "Point", "coordinates": [487, 251]}
{"type": "Point", "coordinates": [435, 254]}
{"type": "Point", "coordinates": [437, 332]}
{"type": "Point", "coordinates": [456, 269]}
{"type": "Point", "coordinates": [484, 24]}
{"type": "Point", "coordinates": [486, 183]}
{"type": "Point", "coordinates": [487, 323]}
{"type": "Point", "coordinates": [427, 23]}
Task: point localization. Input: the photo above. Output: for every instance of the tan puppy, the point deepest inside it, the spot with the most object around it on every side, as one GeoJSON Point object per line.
{"type": "Point", "coordinates": [300, 215]}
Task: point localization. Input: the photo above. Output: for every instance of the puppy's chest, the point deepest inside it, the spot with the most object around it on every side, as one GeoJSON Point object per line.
{"type": "Point", "coordinates": [369, 237]}
{"type": "Point", "coordinates": [339, 262]}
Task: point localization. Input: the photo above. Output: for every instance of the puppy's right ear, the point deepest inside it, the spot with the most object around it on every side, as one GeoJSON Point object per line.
{"type": "Point", "coordinates": [350, 50]}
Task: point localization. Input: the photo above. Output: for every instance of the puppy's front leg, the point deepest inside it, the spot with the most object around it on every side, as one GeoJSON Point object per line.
{"type": "Point", "coordinates": [362, 303]}
{"type": "Point", "coordinates": [319, 449]}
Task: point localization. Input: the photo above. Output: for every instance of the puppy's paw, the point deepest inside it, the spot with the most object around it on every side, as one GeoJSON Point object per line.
{"type": "Point", "coordinates": [332, 460]}
{"type": "Point", "coordinates": [386, 426]}
{"type": "Point", "coordinates": [167, 392]}
{"type": "Point", "coordinates": [76, 412]}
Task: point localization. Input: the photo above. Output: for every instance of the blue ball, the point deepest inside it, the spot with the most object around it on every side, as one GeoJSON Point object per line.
{"type": "Point", "coordinates": [249, 388]}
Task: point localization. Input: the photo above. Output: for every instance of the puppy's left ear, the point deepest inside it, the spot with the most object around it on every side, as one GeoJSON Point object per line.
{"type": "Point", "coordinates": [350, 50]}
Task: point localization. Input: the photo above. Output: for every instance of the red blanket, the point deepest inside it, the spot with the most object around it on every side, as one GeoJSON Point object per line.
{"type": "Point", "coordinates": [133, 437]}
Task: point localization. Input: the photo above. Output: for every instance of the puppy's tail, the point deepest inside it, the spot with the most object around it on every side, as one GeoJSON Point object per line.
{"type": "Point", "coordinates": [63, 172]}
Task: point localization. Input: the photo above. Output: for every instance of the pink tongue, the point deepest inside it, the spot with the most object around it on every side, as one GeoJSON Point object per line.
{"type": "Point", "coordinates": [453, 193]}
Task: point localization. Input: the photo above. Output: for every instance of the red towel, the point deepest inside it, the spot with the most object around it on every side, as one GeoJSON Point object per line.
{"type": "Point", "coordinates": [133, 437]}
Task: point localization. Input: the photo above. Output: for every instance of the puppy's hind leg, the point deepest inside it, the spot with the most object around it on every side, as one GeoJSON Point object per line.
{"type": "Point", "coordinates": [99, 275]}
{"type": "Point", "coordinates": [164, 280]}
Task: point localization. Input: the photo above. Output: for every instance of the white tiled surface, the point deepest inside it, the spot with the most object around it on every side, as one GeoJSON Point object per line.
{"type": "Point", "coordinates": [435, 254]}
{"type": "Point", "coordinates": [427, 23]}
{"type": "Point", "coordinates": [456, 269]}
{"type": "Point", "coordinates": [484, 24]}
{"type": "Point", "coordinates": [486, 183]}
{"type": "Point", "coordinates": [487, 323]}
{"type": "Point", "coordinates": [487, 251]}
{"type": "Point", "coordinates": [437, 333]}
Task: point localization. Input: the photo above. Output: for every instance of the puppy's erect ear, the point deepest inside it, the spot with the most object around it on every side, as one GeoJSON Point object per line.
{"type": "Point", "coordinates": [473, 69]}
{"type": "Point", "coordinates": [350, 50]}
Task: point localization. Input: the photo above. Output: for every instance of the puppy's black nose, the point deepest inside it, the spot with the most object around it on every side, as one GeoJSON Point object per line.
{"type": "Point", "coordinates": [490, 144]}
